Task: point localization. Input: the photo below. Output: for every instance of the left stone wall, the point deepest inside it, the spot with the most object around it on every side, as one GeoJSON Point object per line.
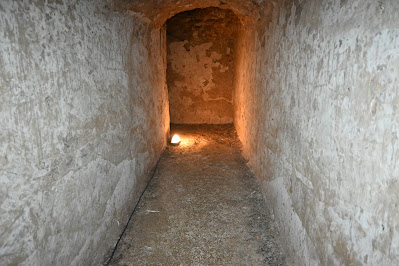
{"type": "Point", "coordinates": [84, 118]}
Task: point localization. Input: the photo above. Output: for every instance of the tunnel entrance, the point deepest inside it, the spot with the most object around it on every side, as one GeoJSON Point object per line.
{"type": "Point", "coordinates": [200, 66]}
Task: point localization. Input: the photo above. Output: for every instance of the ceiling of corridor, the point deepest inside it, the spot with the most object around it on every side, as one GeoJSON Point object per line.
{"type": "Point", "coordinates": [160, 10]}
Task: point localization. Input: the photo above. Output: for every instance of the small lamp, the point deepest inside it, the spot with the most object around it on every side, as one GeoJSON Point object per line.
{"type": "Point", "coordinates": [175, 140]}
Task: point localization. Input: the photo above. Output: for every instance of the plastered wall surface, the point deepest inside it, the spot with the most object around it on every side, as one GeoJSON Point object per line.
{"type": "Point", "coordinates": [200, 73]}
{"type": "Point", "coordinates": [83, 119]}
{"type": "Point", "coordinates": [317, 111]}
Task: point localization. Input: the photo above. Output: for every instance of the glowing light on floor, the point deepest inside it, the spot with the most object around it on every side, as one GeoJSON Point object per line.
{"type": "Point", "coordinates": [175, 139]}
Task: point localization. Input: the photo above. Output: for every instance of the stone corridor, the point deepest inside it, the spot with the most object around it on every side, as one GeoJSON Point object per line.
{"type": "Point", "coordinates": [89, 91]}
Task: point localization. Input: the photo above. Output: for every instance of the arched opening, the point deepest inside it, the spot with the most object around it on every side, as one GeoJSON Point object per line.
{"type": "Point", "coordinates": [201, 66]}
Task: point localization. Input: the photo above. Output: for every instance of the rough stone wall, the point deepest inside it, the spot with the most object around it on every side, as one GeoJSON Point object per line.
{"type": "Point", "coordinates": [83, 118]}
{"type": "Point", "coordinates": [319, 123]}
{"type": "Point", "coordinates": [159, 11]}
{"type": "Point", "coordinates": [200, 71]}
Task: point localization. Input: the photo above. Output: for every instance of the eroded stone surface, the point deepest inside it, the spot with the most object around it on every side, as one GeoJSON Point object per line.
{"type": "Point", "coordinates": [317, 112]}
{"type": "Point", "coordinates": [200, 71]}
{"type": "Point", "coordinates": [83, 118]}
{"type": "Point", "coordinates": [158, 11]}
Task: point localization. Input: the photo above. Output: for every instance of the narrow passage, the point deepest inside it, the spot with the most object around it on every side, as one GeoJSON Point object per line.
{"type": "Point", "coordinates": [203, 207]}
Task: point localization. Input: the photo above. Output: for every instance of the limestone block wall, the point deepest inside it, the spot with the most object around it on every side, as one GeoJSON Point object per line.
{"type": "Point", "coordinates": [200, 71]}
{"type": "Point", "coordinates": [83, 119]}
{"type": "Point", "coordinates": [317, 103]}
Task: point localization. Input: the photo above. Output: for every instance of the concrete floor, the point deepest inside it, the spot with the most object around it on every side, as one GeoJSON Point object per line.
{"type": "Point", "coordinates": [202, 207]}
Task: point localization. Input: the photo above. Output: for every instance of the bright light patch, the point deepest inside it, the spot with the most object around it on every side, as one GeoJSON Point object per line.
{"type": "Point", "coordinates": [175, 139]}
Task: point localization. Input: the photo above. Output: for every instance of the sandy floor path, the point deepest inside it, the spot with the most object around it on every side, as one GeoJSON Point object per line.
{"type": "Point", "coordinates": [202, 207]}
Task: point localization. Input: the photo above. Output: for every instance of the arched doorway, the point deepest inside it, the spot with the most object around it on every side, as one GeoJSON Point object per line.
{"type": "Point", "coordinates": [201, 66]}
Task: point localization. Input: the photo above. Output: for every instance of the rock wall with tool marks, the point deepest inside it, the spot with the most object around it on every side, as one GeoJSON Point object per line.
{"type": "Point", "coordinates": [83, 118]}
{"type": "Point", "coordinates": [316, 107]}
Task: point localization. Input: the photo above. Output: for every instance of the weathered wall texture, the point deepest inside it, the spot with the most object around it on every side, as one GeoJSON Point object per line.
{"type": "Point", "coordinates": [317, 111]}
{"type": "Point", "coordinates": [83, 118]}
{"type": "Point", "coordinates": [159, 11]}
{"type": "Point", "coordinates": [200, 71]}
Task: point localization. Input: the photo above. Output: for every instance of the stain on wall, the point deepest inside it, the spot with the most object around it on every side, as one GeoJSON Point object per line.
{"type": "Point", "coordinates": [317, 111]}
{"type": "Point", "coordinates": [83, 118]}
{"type": "Point", "coordinates": [200, 71]}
